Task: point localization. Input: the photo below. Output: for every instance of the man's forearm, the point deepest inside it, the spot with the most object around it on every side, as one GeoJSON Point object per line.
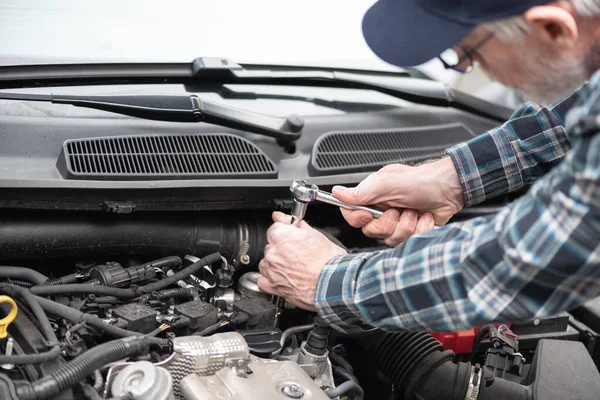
{"type": "Point", "coordinates": [506, 158]}
{"type": "Point", "coordinates": [536, 257]}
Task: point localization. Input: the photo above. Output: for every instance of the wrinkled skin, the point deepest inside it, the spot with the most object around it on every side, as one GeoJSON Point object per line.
{"type": "Point", "coordinates": [416, 199]}
{"type": "Point", "coordinates": [294, 258]}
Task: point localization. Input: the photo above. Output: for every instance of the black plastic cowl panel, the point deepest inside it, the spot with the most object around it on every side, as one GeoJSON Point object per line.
{"type": "Point", "coordinates": [365, 151]}
{"type": "Point", "coordinates": [164, 157]}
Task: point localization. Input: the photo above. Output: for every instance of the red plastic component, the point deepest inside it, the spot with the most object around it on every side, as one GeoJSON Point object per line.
{"type": "Point", "coordinates": [459, 342]}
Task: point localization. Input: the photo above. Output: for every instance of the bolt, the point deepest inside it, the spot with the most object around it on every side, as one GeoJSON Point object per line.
{"type": "Point", "coordinates": [292, 391]}
{"type": "Point", "coordinates": [230, 364]}
{"type": "Point", "coordinates": [245, 259]}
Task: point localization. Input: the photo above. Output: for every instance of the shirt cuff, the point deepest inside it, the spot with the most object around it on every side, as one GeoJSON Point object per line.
{"type": "Point", "coordinates": [467, 169]}
{"type": "Point", "coordinates": [334, 295]}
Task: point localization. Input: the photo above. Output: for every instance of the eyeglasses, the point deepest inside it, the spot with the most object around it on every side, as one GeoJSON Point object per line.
{"type": "Point", "coordinates": [454, 57]}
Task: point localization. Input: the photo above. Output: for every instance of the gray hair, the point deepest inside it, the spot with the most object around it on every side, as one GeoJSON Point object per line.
{"type": "Point", "coordinates": [513, 28]}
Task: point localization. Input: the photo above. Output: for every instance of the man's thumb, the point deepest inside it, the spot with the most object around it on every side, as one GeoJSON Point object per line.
{"type": "Point", "coordinates": [347, 195]}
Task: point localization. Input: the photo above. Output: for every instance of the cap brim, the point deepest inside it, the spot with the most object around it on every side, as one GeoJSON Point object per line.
{"type": "Point", "coordinates": [402, 33]}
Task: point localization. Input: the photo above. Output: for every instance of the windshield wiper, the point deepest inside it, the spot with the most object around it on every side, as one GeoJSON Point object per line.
{"type": "Point", "coordinates": [189, 108]}
{"type": "Point", "coordinates": [220, 71]}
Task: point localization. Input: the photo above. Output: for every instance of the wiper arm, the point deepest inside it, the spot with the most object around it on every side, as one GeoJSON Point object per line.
{"type": "Point", "coordinates": [220, 71]}
{"type": "Point", "coordinates": [189, 108]}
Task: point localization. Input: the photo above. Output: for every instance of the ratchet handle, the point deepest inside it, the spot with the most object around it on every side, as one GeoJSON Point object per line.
{"type": "Point", "coordinates": [328, 198]}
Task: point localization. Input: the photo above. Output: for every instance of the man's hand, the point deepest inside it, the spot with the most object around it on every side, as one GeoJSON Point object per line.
{"type": "Point", "coordinates": [430, 195]}
{"type": "Point", "coordinates": [294, 258]}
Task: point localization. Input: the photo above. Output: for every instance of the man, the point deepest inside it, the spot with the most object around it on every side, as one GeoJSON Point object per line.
{"type": "Point", "coordinates": [540, 254]}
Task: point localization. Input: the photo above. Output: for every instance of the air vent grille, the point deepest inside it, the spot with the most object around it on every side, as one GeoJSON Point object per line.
{"type": "Point", "coordinates": [152, 157]}
{"type": "Point", "coordinates": [347, 152]}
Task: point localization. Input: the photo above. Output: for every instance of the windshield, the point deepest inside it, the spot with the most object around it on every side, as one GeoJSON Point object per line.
{"type": "Point", "coordinates": [308, 33]}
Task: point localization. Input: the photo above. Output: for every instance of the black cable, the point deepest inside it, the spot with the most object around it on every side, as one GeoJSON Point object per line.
{"type": "Point", "coordinates": [82, 288]}
{"type": "Point", "coordinates": [77, 316]}
{"type": "Point", "coordinates": [35, 358]}
{"type": "Point", "coordinates": [34, 306]}
{"type": "Point", "coordinates": [345, 388]}
{"type": "Point", "coordinates": [26, 274]}
{"type": "Point", "coordinates": [63, 280]}
{"type": "Point", "coordinates": [86, 288]}
{"type": "Point", "coordinates": [483, 332]}
{"type": "Point", "coordinates": [89, 393]}
{"type": "Point", "coordinates": [341, 372]}
{"type": "Point", "coordinates": [336, 359]}
{"type": "Point", "coordinates": [212, 329]}
{"type": "Point", "coordinates": [77, 369]}
{"type": "Point", "coordinates": [19, 282]}
{"type": "Point", "coordinates": [182, 274]}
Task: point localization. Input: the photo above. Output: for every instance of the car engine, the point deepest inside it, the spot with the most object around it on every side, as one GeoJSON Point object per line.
{"type": "Point", "coordinates": [165, 306]}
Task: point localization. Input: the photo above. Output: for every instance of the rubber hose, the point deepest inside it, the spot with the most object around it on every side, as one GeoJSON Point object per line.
{"type": "Point", "coordinates": [19, 282]}
{"type": "Point", "coordinates": [36, 358]}
{"type": "Point", "coordinates": [165, 262]}
{"type": "Point", "coordinates": [336, 359]}
{"type": "Point", "coordinates": [82, 288]}
{"type": "Point", "coordinates": [89, 393]}
{"type": "Point", "coordinates": [74, 371]}
{"type": "Point", "coordinates": [183, 274]}
{"type": "Point", "coordinates": [345, 388]}
{"type": "Point", "coordinates": [98, 381]}
{"type": "Point", "coordinates": [489, 328]}
{"type": "Point", "coordinates": [176, 292]}
{"type": "Point", "coordinates": [85, 235]}
{"type": "Point", "coordinates": [410, 358]}
{"type": "Point", "coordinates": [34, 306]}
{"type": "Point", "coordinates": [26, 274]}
{"type": "Point", "coordinates": [63, 280]}
{"type": "Point", "coordinates": [77, 316]}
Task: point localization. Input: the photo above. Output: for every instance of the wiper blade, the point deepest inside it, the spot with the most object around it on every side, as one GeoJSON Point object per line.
{"type": "Point", "coordinates": [346, 106]}
{"type": "Point", "coordinates": [189, 108]}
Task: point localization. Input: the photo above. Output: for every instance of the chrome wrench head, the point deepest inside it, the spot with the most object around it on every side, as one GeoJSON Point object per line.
{"type": "Point", "coordinates": [303, 192]}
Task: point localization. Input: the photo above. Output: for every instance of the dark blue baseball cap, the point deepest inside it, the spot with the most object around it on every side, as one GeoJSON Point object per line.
{"type": "Point", "coordinates": [410, 32]}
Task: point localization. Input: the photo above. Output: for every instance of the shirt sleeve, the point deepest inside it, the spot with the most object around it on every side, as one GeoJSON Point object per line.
{"type": "Point", "coordinates": [538, 256]}
{"type": "Point", "coordinates": [506, 158]}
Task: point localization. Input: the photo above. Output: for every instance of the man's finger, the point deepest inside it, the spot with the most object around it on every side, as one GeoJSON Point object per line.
{"type": "Point", "coordinates": [356, 218]}
{"type": "Point", "coordinates": [265, 285]}
{"type": "Point", "coordinates": [425, 223]}
{"type": "Point", "coordinates": [287, 219]}
{"type": "Point", "coordinates": [383, 226]}
{"type": "Point", "coordinates": [405, 227]}
{"type": "Point", "coordinates": [263, 267]}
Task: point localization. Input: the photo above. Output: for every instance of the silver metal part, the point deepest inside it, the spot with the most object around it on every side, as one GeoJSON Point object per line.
{"type": "Point", "coordinates": [317, 367]}
{"type": "Point", "coordinates": [10, 343]}
{"type": "Point", "coordinates": [229, 296]}
{"type": "Point", "coordinates": [474, 382]}
{"type": "Point", "coordinates": [268, 380]}
{"type": "Point", "coordinates": [143, 380]}
{"type": "Point", "coordinates": [204, 355]}
{"type": "Point", "coordinates": [248, 286]}
{"type": "Point", "coordinates": [298, 212]}
{"type": "Point", "coordinates": [290, 331]}
{"type": "Point", "coordinates": [305, 192]}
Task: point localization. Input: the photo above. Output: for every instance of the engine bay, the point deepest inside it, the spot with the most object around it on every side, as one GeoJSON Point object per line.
{"type": "Point", "coordinates": [166, 306]}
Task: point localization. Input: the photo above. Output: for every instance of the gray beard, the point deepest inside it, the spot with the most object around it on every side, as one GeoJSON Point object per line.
{"type": "Point", "coordinates": [551, 81]}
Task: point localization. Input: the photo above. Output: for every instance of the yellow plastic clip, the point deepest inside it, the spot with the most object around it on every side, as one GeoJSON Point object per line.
{"type": "Point", "coordinates": [6, 321]}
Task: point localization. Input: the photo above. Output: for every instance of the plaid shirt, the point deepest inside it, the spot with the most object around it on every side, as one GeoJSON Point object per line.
{"type": "Point", "coordinates": [536, 257]}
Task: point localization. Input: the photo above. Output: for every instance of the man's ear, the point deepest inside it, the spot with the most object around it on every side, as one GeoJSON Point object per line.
{"type": "Point", "coordinates": [554, 24]}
